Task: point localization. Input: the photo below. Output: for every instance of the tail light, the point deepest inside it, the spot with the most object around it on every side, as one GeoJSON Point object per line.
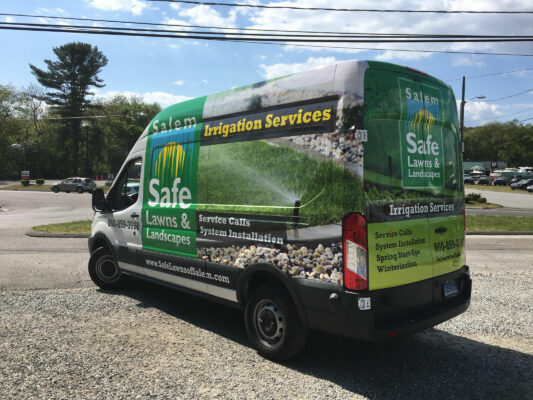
{"type": "Point", "coordinates": [354, 238]}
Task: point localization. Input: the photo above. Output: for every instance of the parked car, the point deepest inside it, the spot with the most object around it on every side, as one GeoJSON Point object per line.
{"type": "Point", "coordinates": [468, 180]}
{"type": "Point", "coordinates": [523, 184]}
{"type": "Point", "coordinates": [77, 184]}
{"type": "Point", "coordinates": [483, 180]}
{"type": "Point", "coordinates": [515, 179]}
{"type": "Point", "coordinates": [530, 188]}
{"type": "Point", "coordinates": [501, 181]}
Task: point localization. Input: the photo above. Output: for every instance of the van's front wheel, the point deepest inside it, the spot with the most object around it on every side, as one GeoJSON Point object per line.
{"type": "Point", "coordinates": [273, 325]}
{"type": "Point", "coordinates": [103, 269]}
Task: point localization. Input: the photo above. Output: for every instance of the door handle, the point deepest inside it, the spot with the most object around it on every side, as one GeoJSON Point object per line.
{"type": "Point", "coordinates": [134, 215]}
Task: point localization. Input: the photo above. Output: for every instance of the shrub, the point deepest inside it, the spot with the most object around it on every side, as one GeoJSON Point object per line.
{"type": "Point", "coordinates": [39, 181]}
{"type": "Point", "coordinates": [24, 182]}
{"type": "Point", "coordinates": [475, 198]}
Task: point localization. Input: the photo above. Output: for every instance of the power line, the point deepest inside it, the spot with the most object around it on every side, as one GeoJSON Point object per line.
{"type": "Point", "coordinates": [255, 37]}
{"type": "Point", "coordinates": [508, 97]}
{"type": "Point", "coordinates": [211, 3]}
{"type": "Point", "coordinates": [492, 74]}
{"type": "Point", "coordinates": [508, 115]}
{"type": "Point", "coordinates": [99, 32]}
{"type": "Point", "coordinates": [252, 29]}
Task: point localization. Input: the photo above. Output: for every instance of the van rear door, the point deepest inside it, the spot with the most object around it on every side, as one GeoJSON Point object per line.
{"type": "Point", "coordinates": [396, 178]}
{"type": "Point", "coordinates": [446, 218]}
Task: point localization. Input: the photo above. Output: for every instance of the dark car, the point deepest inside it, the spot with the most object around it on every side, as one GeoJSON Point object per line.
{"type": "Point", "coordinates": [530, 188]}
{"type": "Point", "coordinates": [483, 180]}
{"type": "Point", "coordinates": [77, 184]}
{"type": "Point", "coordinates": [468, 180]}
{"type": "Point", "coordinates": [501, 181]}
{"type": "Point", "coordinates": [515, 179]}
{"type": "Point", "coordinates": [523, 184]}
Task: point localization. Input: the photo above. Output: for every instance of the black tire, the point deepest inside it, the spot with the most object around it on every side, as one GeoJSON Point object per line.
{"type": "Point", "coordinates": [104, 270]}
{"type": "Point", "coordinates": [273, 325]}
{"type": "Point", "coordinates": [55, 189]}
{"type": "Point", "coordinates": [79, 189]}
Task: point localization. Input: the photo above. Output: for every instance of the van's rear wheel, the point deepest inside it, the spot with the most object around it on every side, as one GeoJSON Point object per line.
{"type": "Point", "coordinates": [104, 270]}
{"type": "Point", "coordinates": [273, 325]}
{"type": "Point", "coordinates": [79, 189]}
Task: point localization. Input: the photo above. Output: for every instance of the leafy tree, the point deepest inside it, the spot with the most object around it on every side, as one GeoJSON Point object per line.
{"type": "Point", "coordinates": [69, 80]}
{"type": "Point", "coordinates": [117, 133]}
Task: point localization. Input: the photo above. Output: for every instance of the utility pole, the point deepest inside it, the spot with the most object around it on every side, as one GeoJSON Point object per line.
{"type": "Point", "coordinates": [462, 117]}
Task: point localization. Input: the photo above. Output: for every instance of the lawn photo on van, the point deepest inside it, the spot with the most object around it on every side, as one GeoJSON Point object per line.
{"type": "Point", "coordinates": [260, 179]}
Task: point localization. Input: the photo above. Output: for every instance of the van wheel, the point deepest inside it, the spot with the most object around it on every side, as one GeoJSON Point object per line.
{"type": "Point", "coordinates": [79, 189]}
{"type": "Point", "coordinates": [273, 325]}
{"type": "Point", "coordinates": [55, 189]}
{"type": "Point", "coordinates": [104, 270]}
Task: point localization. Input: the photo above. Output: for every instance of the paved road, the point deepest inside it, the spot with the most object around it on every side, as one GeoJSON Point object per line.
{"type": "Point", "coordinates": [520, 199]}
{"type": "Point", "coordinates": [38, 263]}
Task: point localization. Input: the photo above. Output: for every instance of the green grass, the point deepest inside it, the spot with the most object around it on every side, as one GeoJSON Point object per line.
{"type": "Point", "coordinates": [30, 188]}
{"type": "Point", "coordinates": [498, 223]}
{"type": "Point", "coordinates": [496, 188]}
{"type": "Point", "coordinates": [237, 176]}
{"type": "Point", "coordinates": [474, 223]}
{"type": "Point", "coordinates": [66, 227]}
{"type": "Point", "coordinates": [482, 205]}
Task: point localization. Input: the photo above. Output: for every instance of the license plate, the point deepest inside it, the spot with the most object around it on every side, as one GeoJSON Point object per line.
{"type": "Point", "coordinates": [450, 289]}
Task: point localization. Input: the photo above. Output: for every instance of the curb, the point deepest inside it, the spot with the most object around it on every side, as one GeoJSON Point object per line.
{"type": "Point", "coordinates": [86, 236]}
{"type": "Point", "coordinates": [56, 235]}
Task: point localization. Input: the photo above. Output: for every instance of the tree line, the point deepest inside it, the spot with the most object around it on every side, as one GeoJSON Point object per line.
{"type": "Point", "coordinates": [511, 142]}
{"type": "Point", "coordinates": [61, 131]}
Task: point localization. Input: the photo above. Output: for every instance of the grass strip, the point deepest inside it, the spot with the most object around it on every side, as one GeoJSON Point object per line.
{"type": "Point", "coordinates": [29, 188]}
{"type": "Point", "coordinates": [474, 223]}
{"type": "Point", "coordinates": [502, 223]}
{"type": "Point", "coordinates": [66, 227]}
{"type": "Point", "coordinates": [506, 189]}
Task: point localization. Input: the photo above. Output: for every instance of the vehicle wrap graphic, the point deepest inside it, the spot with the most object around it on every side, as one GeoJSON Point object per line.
{"type": "Point", "coordinates": [211, 194]}
{"type": "Point", "coordinates": [412, 178]}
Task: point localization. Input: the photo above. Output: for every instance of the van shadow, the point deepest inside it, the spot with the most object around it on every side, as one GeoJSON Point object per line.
{"type": "Point", "coordinates": [432, 364]}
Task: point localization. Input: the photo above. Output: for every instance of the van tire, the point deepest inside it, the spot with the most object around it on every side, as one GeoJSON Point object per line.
{"type": "Point", "coordinates": [104, 270]}
{"type": "Point", "coordinates": [79, 189]}
{"type": "Point", "coordinates": [273, 325]}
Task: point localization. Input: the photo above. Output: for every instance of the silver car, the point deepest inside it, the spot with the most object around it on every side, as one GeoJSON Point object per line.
{"type": "Point", "coordinates": [77, 184]}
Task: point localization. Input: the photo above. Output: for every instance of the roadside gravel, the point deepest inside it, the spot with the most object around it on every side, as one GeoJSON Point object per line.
{"type": "Point", "coordinates": [148, 342]}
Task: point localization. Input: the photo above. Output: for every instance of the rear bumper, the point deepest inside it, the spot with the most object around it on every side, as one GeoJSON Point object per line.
{"type": "Point", "coordinates": [394, 312]}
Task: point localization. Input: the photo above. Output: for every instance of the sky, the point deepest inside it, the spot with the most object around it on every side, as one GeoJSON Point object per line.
{"type": "Point", "coordinates": [169, 70]}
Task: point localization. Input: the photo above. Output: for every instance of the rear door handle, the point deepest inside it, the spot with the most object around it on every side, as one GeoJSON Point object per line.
{"type": "Point", "coordinates": [134, 215]}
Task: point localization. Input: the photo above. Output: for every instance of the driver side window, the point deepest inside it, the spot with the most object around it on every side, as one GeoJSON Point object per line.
{"type": "Point", "coordinates": [126, 190]}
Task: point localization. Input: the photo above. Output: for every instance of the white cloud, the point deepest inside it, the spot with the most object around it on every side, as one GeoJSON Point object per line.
{"type": "Point", "coordinates": [205, 81]}
{"type": "Point", "coordinates": [478, 112]}
{"type": "Point", "coordinates": [467, 61]}
{"type": "Point", "coordinates": [280, 69]}
{"type": "Point", "coordinates": [408, 23]}
{"type": "Point", "coordinates": [135, 7]}
{"type": "Point", "coordinates": [9, 19]}
{"type": "Point", "coordinates": [179, 83]}
{"type": "Point", "coordinates": [164, 99]}
{"type": "Point", "coordinates": [50, 11]}
{"type": "Point", "coordinates": [205, 15]}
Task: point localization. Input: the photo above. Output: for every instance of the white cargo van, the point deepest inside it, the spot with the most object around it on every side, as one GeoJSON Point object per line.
{"type": "Point", "coordinates": [331, 199]}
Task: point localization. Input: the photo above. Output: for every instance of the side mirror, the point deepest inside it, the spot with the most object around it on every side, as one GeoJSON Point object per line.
{"type": "Point", "coordinates": [98, 202]}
